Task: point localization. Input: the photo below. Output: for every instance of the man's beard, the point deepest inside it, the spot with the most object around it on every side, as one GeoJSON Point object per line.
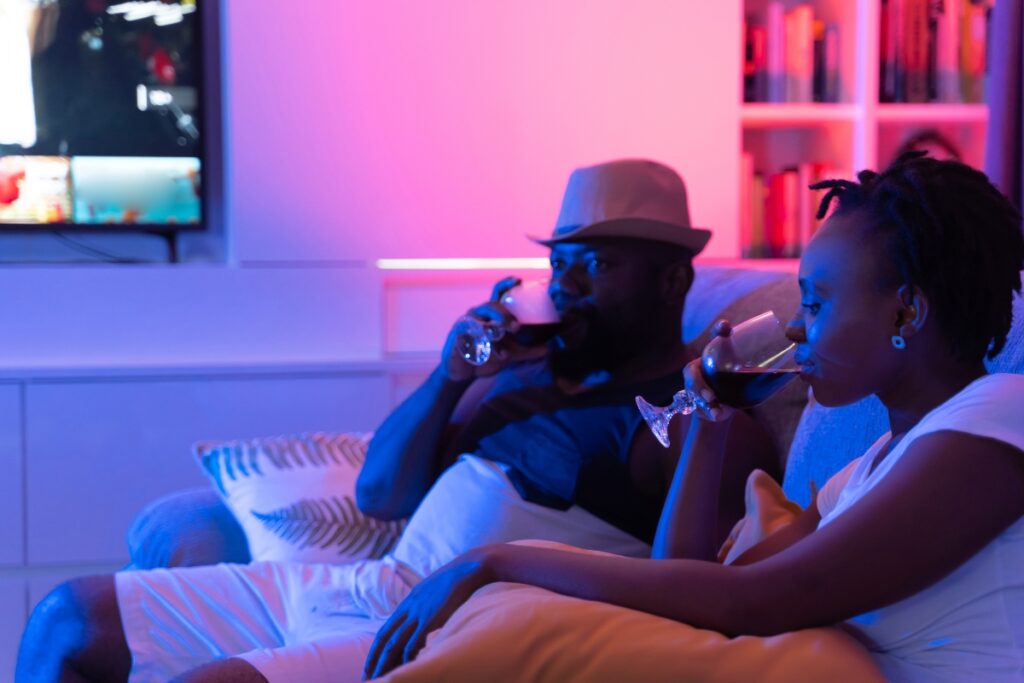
{"type": "Point", "coordinates": [593, 342]}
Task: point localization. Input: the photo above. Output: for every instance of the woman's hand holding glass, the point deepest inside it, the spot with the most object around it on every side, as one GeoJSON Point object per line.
{"type": "Point", "coordinates": [707, 406]}
{"type": "Point", "coordinates": [740, 367]}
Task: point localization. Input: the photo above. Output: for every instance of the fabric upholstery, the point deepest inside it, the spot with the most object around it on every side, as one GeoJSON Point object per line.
{"type": "Point", "coordinates": [186, 529]}
{"type": "Point", "coordinates": [1011, 358]}
{"type": "Point", "coordinates": [826, 440]}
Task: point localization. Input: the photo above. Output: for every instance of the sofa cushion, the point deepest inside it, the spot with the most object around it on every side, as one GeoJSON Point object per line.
{"type": "Point", "coordinates": [735, 294]}
{"type": "Point", "coordinates": [186, 529]}
{"type": "Point", "coordinates": [826, 440]}
{"type": "Point", "coordinates": [1011, 358]}
{"type": "Point", "coordinates": [738, 294]}
{"type": "Point", "coordinates": [295, 496]}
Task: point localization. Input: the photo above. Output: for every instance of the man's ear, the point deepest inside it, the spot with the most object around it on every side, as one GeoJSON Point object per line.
{"type": "Point", "coordinates": [912, 313]}
{"type": "Point", "coordinates": [676, 280]}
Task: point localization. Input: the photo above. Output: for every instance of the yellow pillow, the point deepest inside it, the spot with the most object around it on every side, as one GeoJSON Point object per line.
{"type": "Point", "coordinates": [767, 511]}
{"type": "Point", "coordinates": [511, 633]}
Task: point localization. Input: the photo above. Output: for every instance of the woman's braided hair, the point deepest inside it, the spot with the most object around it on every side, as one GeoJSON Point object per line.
{"type": "Point", "coordinates": [949, 231]}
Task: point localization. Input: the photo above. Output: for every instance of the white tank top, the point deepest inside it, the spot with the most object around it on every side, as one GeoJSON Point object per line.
{"type": "Point", "coordinates": [970, 625]}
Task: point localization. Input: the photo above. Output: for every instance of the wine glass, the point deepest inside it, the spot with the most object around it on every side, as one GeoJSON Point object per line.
{"type": "Point", "coordinates": [744, 369]}
{"type": "Point", "coordinates": [529, 303]}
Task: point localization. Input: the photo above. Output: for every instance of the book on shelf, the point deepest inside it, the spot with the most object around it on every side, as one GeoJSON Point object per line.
{"type": "Point", "coordinates": [778, 210]}
{"type": "Point", "coordinates": [826, 62]}
{"type": "Point", "coordinates": [799, 41]}
{"type": "Point", "coordinates": [974, 16]}
{"type": "Point", "coordinates": [890, 83]}
{"type": "Point", "coordinates": [790, 57]}
{"type": "Point", "coordinates": [783, 229]}
{"type": "Point", "coordinates": [755, 84]}
{"type": "Point", "coordinates": [775, 63]}
{"type": "Point", "coordinates": [932, 50]}
{"type": "Point", "coordinates": [947, 50]}
{"type": "Point", "coordinates": [747, 238]}
{"type": "Point", "coordinates": [915, 50]}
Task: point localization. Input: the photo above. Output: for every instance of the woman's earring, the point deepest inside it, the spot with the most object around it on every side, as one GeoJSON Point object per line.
{"type": "Point", "coordinates": [899, 342]}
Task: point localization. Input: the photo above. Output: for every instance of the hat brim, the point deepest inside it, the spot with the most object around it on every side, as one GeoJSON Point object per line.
{"type": "Point", "coordinates": [693, 239]}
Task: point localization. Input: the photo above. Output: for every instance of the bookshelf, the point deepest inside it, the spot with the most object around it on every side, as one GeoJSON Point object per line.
{"type": "Point", "coordinates": [856, 131]}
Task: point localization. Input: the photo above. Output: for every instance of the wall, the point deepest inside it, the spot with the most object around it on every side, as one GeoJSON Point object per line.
{"type": "Point", "coordinates": [450, 127]}
{"type": "Point", "coordinates": [356, 130]}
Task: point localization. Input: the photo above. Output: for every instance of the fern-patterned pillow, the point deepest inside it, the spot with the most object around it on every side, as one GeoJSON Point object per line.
{"type": "Point", "coordinates": [295, 496]}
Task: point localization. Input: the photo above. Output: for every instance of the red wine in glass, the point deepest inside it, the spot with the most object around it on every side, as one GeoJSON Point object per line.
{"type": "Point", "coordinates": [529, 303]}
{"type": "Point", "coordinates": [744, 368]}
{"type": "Point", "coordinates": [747, 387]}
{"type": "Point", "coordinates": [536, 334]}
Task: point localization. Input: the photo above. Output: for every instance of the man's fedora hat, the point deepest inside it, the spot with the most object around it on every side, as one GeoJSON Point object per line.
{"type": "Point", "coordinates": [631, 198]}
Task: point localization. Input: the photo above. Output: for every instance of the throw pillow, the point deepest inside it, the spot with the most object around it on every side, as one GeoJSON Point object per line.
{"type": "Point", "coordinates": [294, 496]}
{"type": "Point", "coordinates": [768, 510]}
{"type": "Point", "coordinates": [511, 633]}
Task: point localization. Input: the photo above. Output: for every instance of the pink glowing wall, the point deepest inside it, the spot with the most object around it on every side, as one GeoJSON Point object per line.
{"type": "Point", "coordinates": [361, 130]}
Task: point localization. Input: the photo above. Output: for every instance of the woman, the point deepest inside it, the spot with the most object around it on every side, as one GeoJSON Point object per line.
{"type": "Point", "coordinates": [918, 544]}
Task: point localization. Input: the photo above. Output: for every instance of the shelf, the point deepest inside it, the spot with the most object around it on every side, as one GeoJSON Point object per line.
{"type": "Point", "coordinates": [764, 115]}
{"type": "Point", "coordinates": [788, 265]}
{"type": "Point", "coordinates": [932, 113]}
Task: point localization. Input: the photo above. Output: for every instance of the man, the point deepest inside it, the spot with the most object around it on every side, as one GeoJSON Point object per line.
{"type": "Point", "coordinates": [537, 443]}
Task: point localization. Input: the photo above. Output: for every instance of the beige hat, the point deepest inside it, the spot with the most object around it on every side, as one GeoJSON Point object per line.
{"type": "Point", "coordinates": [632, 198]}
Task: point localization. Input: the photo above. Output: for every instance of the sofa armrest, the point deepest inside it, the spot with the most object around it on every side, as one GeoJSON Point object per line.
{"type": "Point", "coordinates": [186, 529]}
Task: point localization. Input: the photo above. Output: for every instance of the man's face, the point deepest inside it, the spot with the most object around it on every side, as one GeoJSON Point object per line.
{"type": "Point", "coordinates": [608, 294]}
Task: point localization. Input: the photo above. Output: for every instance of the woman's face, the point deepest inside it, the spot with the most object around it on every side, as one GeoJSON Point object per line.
{"type": "Point", "coordinates": [846, 319]}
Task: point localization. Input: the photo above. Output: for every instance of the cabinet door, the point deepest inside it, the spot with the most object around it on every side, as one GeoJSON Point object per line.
{"type": "Point", "coordinates": [12, 621]}
{"type": "Point", "coordinates": [99, 452]}
{"type": "Point", "coordinates": [11, 464]}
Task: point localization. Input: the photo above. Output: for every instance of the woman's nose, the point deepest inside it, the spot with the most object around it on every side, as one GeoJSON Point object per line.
{"type": "Point", "coordinates": [795, 331]}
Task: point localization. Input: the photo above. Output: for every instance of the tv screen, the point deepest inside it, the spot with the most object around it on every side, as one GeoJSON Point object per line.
{"type": "Point", "coordinates": [103, 121]}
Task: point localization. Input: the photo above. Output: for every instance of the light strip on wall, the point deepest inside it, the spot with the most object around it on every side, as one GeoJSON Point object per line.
{"type": "Point", "coordinates": [462, 263]}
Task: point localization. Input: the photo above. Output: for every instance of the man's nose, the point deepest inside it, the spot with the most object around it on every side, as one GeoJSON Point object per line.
{"type": "Point", "coordinates": [567, 283]}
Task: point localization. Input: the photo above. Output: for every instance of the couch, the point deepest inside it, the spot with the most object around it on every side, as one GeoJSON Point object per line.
{"type": "Point", "coordinates": [194, 527]}
{"type": "Point", "coordinates": [513, 633]}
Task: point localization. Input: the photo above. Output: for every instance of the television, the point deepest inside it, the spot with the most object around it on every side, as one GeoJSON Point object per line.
{"type": "Point", "coordinates": [109, 115]}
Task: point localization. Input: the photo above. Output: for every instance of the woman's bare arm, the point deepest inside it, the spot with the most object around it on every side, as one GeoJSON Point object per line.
{"type": "Point", "coordinates": [705, 497]}
{"type": "Point", "coordinates": [950, 495]}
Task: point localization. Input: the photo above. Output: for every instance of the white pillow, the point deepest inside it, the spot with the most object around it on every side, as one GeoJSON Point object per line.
{"type": "Point", "coordinates": [294, 496]}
